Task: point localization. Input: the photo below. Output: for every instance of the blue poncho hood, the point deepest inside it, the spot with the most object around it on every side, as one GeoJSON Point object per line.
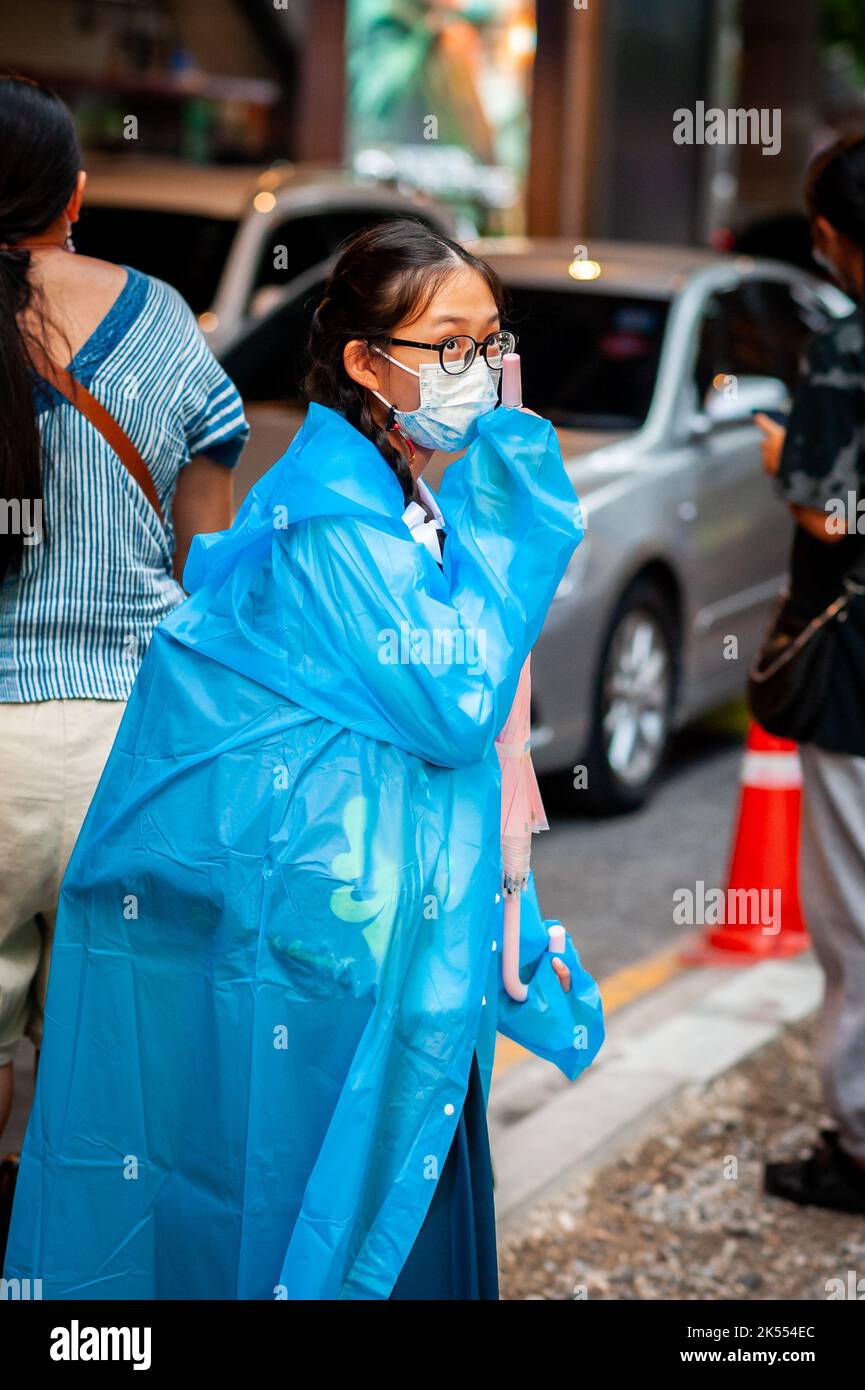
{"type": "Point", "coordinates": [278, 939]}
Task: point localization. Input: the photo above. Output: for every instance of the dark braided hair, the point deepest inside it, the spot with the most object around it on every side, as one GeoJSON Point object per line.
{"type": "Point", "coordinates": [39, 164]}
{"type": "Point", "coordinates": [383, 275]}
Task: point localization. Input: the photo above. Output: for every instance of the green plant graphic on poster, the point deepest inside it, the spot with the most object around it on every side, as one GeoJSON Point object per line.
{"type": "Point", "coordinates": [377, 908]}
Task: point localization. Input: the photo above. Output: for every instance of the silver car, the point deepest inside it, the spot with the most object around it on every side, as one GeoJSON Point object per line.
{"type": "Point", "coordinates": [650, 361]}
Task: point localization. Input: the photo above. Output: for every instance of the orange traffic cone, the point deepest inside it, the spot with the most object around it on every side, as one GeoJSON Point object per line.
{"type": "Point", "coordinates": [762, 915]}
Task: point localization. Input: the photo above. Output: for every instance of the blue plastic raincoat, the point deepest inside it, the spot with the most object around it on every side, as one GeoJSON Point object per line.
{"type": "Point", "coordinates": [277, 945]}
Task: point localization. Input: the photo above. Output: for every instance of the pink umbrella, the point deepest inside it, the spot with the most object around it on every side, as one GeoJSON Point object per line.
{"type": "Point", "coordinates": [522, 809]}
{"type": "Point", "coordinates": [522, 816]}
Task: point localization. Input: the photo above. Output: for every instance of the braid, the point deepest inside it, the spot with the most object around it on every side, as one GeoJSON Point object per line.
{"type": "Point", "coordinates": [328, 383]}
{"type": "Point", "coordinates": [398, 463]}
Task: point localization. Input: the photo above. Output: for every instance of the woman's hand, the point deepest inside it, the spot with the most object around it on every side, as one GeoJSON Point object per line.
{"type": "Point", "coordinates": [563, 973]}
{"type": "Point", "coordinates": [773, 443]}
{"type": "Point", "coordinates": [819, 524]}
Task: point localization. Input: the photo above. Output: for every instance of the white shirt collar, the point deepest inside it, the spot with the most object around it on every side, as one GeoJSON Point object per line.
{"type": "Point", "coordinates": [429, 498]}
{"type": "Point", "coordinates": [424, 529]}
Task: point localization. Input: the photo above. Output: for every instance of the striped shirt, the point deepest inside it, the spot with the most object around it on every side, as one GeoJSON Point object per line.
{"type": "Point", "coordinates": [76, 619]}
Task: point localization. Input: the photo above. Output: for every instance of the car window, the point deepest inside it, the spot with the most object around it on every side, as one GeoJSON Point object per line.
{"type": "Point", "coordinates": [290, 248]}
{"type": "Point", "coordinates": [185, 249]}
{"type": "Point", "coordinates": [588, 359]}
{"type": "Point", "coordinates": [306, 240]}
{"type": "Point", "coordinates": [758, 329]}
{"type": "Point", "coordinates": [345, 222]}
{"type": "Point", "coordinates": [269, 361]}
{"type": "Point", "coordinates": [791, 315]}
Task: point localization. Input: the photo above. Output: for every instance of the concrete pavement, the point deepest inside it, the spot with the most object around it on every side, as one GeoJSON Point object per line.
{"type": "Point", "coordinates": [688, 1031]}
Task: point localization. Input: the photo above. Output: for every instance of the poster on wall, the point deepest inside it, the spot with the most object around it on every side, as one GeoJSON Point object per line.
{"type": "Point", "coordinates": [439, 98]}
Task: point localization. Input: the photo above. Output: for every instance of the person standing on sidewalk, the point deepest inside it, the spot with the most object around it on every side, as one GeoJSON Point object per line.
{"type": "Point", "coordinates": [89, 553]}
{"type": "Point", "coordinates": [288, 1039]}
{"type": "Point", "coordinates": [819, 465]}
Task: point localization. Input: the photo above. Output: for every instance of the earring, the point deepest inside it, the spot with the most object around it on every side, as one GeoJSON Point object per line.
{"type": "Point", "coordinates": [70, 244]}
{"type": "Point", "coordinates": [395, 429]}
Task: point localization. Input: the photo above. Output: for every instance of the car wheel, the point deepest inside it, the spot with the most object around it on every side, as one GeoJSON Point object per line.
{"type": "Point", "coordinates": [633, 704]}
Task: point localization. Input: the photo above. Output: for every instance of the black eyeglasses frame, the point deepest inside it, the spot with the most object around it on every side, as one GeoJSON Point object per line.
{"type": "Point", "coordinates": [478, 347]}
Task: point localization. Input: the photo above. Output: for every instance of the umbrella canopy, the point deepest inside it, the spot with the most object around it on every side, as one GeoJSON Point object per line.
{"type": "Point", "coordinates": [522, 808]}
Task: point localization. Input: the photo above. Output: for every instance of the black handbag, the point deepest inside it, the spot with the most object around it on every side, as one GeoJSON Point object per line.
{"type": "Point", "coordinates": [789, 678]}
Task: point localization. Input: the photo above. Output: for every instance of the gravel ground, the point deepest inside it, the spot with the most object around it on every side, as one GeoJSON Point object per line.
{"type": "Point", "coordinates": [682, 1214]}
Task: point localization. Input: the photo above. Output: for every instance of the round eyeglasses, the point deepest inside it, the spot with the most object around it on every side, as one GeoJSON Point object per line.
{"type": "Point", "coordinates": [457, 354]}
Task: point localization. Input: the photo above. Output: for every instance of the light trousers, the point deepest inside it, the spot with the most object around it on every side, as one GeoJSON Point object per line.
{"type": "Point", "coordinates": [51, 755]}
{"type": "Point", "coordinates": [833, 897]}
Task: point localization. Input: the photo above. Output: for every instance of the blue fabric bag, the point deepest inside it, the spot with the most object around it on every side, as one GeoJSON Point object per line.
{"type": "Point", "coordinates": [279, 934]}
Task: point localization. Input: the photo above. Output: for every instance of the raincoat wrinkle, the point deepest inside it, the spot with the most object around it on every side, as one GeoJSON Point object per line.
{"type": "Point", "coordinates": [279, 934]}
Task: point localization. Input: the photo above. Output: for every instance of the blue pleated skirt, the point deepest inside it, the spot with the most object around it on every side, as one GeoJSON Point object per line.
{"type": "Point", "coordinates": [454, 1254]}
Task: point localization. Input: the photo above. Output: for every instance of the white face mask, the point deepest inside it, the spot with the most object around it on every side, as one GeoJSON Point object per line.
{"type": "Point", "coordinates": [450, 406]}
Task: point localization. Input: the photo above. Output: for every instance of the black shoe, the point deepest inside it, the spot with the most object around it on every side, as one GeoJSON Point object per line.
{"type": "Point", "coordinates": [8, 1178]}
{"type": "Point", "coordinates": [828, 1178]}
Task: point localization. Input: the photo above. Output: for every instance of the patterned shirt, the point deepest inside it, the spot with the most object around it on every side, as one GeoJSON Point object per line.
{"type": "Point", "coordinates": [825, 444]}
{"type": "Point", "coordinates": [76, 619]}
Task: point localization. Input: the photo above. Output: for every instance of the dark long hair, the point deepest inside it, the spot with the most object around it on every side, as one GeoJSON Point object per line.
{"type": "Point", "coordinates": [39, 164]}
{"type": "Point", "coordinates": [835, 187]}
{"type": "Point", "coordinates": [383, 275]}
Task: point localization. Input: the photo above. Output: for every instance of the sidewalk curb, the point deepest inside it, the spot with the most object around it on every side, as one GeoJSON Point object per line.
{"type": "Point", "coordinates": [545, 1131]}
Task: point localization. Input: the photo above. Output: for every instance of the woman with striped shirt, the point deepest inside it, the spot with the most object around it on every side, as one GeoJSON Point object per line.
{"type": "Point", "coordinates": [101, 368]}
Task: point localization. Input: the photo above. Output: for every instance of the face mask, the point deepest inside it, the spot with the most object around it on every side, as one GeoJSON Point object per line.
{"type": "Point", "coordinates": [450, 406]}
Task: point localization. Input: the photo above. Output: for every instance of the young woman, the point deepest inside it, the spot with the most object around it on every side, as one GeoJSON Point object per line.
{"type": "Point", "coordinates": [819, 464]}
{"type": "Point", "coordinates": [275, 987]}
{"type": "Point", "coordinates": [89, 553]}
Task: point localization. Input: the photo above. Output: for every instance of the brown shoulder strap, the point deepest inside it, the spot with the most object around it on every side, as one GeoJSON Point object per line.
{"type": "Point", "coordinates": [100, 419]}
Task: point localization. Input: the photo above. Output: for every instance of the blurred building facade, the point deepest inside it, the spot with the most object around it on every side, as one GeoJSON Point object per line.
{"type": "Point", "coordinates": [608, 80]}
{"type": "Point", "coordinates": [549, 116]}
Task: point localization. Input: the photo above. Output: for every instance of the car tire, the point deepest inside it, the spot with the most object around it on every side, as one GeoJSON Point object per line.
{"type": "Point", "coordinates": [632, 709]}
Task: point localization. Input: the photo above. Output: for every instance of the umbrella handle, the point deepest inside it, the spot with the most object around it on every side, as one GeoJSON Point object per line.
{"type": "Point", "coordinates": [511, 950]}
{"type": "Point", "coordinates": [512, 386]}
